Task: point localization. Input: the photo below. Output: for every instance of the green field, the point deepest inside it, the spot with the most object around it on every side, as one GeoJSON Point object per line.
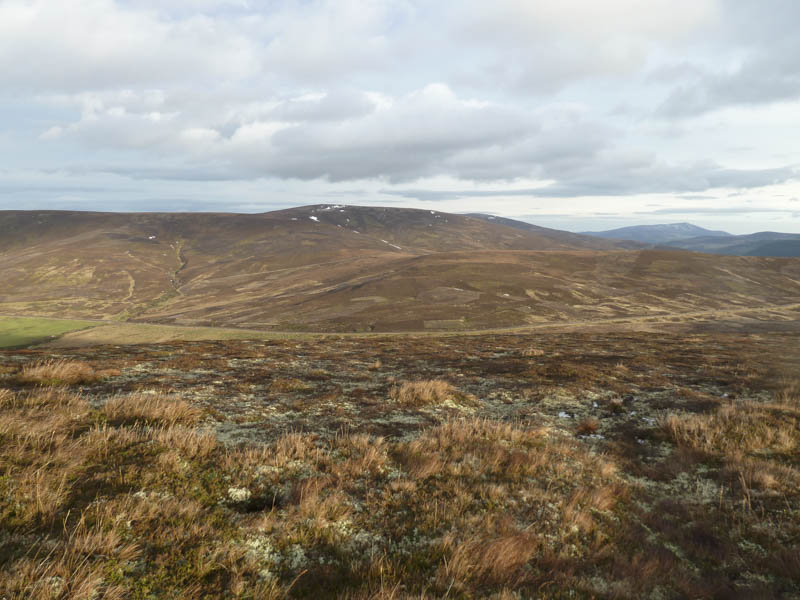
{"type": "Point", "coordinates": [24, 331]}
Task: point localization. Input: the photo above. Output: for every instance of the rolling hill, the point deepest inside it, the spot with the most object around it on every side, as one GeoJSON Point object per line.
{"type": "Point", "coordinates": [690, 237]}
{"type": "Point", "coordinates": [765, 243]}
{"type": "Point", "coordinates": [658, 234]}
{"type": "Point", "coordinates": [347, 268]}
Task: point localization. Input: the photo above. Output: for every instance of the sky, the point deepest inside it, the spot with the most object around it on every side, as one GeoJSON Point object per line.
{"type": "Point", "coordinates": [575, 114]}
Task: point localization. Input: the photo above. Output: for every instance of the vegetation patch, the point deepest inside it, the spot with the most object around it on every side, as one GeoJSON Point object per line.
{"type": "Point", "coordinates": [189, 475]}
{"type": "Point", "coordinates": [62, 372]}
{"type": "Point", "coordinates": [423, 393]}
{"type": "Point", "coordinates": [18, 332]}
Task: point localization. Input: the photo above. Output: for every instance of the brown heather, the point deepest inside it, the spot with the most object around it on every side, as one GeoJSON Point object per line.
{"type": "Point", "coordinates": [387, 482]}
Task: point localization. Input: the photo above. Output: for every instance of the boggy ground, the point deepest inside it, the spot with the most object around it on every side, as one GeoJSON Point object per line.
{"type": "Point", "coordinates": [551, 465]}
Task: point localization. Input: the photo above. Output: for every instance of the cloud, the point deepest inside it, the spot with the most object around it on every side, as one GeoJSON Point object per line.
{"type": "Point", "coordinates": [545, 45]}
{"type": "Point", "coordinates": [763, 78]}
{"type": "Point", "coordinates": [715, 210]}
{"type": "Point", "coordinates": [337, 136]}
{"type": "Point", "coordinates": [351, 135]}
{"type": "Point", "coordinates": [761, 63]}
{"type": "Point", "coordinates": [602, 177]}
{"type": "Point", "coordinates": [608, 176]}
{"type": "Point", "coordinates": [97, 44]}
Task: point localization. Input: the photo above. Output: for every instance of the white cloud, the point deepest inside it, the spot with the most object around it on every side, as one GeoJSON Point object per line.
{"type": "Point", "coordinates": [543, 45]}
{"type": "Point", "coordinates": [100, 44]}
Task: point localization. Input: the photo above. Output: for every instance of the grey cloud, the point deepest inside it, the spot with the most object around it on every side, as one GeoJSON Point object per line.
{"type": "Point", "coordinates": [609, 180]}
{"type": "Point", "coordinates": [763, 79]}
{"type": "Point", "coordinates": [705, 210]}
{"type": "Point", "coordinates": [604, 179]}
{"type": "Point", "coordinates": [55, 46]}
{"type": "Point", "coordinates": [420, 194]}
{"type": "Point", "coordinates": [332, 106]}
{"type": "Point", "coordinates": [765, 35]}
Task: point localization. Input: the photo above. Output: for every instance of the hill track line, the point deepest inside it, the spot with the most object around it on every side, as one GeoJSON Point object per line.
{"type": "Point", "coordinates": [575, 326]}
{"type": "Point", "coordinates": [131, 285]}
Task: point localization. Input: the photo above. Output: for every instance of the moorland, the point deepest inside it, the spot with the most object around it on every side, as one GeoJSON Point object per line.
{"type": "Point", "coordinates": [332, 268]}
{"type": "Point", "coordinates": [623, 465]}
{"type": "Point", "coordinates": [340, 402]}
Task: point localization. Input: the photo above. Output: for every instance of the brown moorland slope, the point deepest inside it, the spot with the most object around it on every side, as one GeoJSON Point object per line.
{"type": "Point", "coordinates": [345, 268]}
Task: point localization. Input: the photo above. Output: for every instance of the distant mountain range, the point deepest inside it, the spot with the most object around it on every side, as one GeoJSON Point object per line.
{"type": "Point", "coordinates": [691, 237]}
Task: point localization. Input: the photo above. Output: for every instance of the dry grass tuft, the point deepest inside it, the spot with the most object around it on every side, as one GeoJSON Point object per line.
{"type": "Point", "coordinates": [741, 427]}
{"type": "Point", "coordinates": [789, 392]}
{"type": "Point", "coordinates": [62, 372]}
{"type": "Point", "coordinates": [188, 442]}
{"type": "Point", "coordinates": [6, 397]}
{"type": "Point", "coordinates": [499, 561]}
{"type": "Point", "coordinates": [530, 352]}
{"type": "Point", "coordinates": [151, 409]}
{"type": "Point", "coordinates": [587, 426]}
{"type": "Point", "coordinates": [423, 393]}
{"type": "Point", "coordinates": [289, 384]}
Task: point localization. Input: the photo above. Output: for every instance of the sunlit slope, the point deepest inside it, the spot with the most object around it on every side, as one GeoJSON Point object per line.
{"type": "Point", "coordinates": [332, 268]}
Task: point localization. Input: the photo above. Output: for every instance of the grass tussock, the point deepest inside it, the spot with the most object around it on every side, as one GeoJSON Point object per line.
{"type": "Point", "coordinates": [588, 426]}
{"type": "Point", "coordinates": [62, 372]}
{"type": "Point", "coordinates": [739, 427]}
{"type": "Point", "coordinates": [151, 409]}
{"type": "Point", "coordinates": [423, 393]}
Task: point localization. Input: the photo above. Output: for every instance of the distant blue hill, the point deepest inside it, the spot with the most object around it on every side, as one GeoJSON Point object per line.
{"type": "Point", "coordinates": [691, 237]}
{"type": "Point", "coordinates": [658, 234]}
{"type": "Point", "coordinates": [765, 243]}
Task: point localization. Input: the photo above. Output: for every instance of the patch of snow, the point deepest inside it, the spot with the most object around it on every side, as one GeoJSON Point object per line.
{"type": "Point", "coordinates": [152, 237]}
{"type": "Point", "coordinates": [294, 218]}
{"type": "Point", "coordinates": [314, 219]}
{"type": "Point", "coordinates": [564, 415]}
{"type": "Point", "coordinates": [392, 245]}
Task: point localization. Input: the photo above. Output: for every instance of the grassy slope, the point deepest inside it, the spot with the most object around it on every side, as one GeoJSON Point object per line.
{"type": "Point", "coordinates": [24, 331]}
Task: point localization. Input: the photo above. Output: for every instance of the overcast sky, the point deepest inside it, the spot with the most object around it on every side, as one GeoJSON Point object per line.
{"type": "Point", "coordinates": [577, 114]}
